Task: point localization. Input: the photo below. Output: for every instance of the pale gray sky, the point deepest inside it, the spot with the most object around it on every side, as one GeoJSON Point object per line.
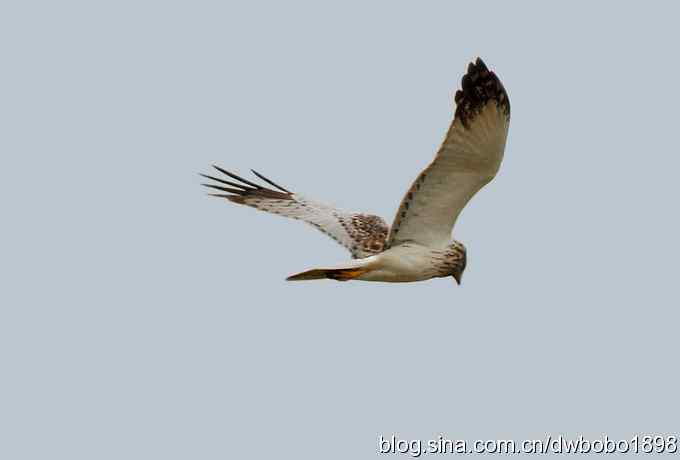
{"type": "Point", "coordinates": [141, 319]}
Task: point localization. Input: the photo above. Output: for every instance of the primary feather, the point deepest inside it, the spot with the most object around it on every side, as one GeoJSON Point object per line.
{"type": "Point", "coordinates": [467, 160]}
{"type": "Point", "coordinates": [362, 234]}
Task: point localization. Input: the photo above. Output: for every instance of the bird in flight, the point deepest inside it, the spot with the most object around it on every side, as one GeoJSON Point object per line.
{"type": "Point", "coordinates": [418, 246]}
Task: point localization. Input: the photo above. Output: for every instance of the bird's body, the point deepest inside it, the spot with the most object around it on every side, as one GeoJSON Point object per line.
{"type": "Point", "coordinates": [414, 262]}
{"type": "Point", "coordinates": [403, 263]}
{"type": "Point", "coordinates": [418, 245]}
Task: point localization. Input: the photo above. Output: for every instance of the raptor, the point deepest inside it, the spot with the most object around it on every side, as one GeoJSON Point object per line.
{"type": "Point", "coordinates": [418, 245]}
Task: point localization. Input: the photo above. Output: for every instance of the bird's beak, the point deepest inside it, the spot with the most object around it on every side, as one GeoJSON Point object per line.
{"type": "Point", "coordinates": [458, 277]}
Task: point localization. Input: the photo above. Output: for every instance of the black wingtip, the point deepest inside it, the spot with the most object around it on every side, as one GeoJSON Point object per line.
{"type": "Point", "coordinates": [226, 182]}
{"type": "Point", "coordinates": [224, 189]}
{"type": "Point", "coordinates": [479, 86]}
{"type": "Point", "coordinates": [269, 181]}
{"type": "Point", "coordinates": [220, 195]}
{"type": "Point", "coordinates": [244, 188]}
{"type": "Point", "coordinates": [236, 177]}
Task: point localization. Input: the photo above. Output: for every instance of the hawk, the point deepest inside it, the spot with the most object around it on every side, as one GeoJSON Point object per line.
{"type": "Point", "coordinates": [418, 246]}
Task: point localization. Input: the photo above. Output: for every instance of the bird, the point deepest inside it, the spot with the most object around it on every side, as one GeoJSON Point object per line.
{"type": "Point", "coordinates": [418, 245]}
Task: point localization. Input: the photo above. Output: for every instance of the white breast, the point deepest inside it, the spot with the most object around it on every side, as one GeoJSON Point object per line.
{"type": "Point", "coordinates": [402, 263]}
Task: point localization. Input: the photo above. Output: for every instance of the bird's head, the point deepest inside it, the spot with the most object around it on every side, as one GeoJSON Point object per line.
{"type": "Point", "coordinates": [459, 257]}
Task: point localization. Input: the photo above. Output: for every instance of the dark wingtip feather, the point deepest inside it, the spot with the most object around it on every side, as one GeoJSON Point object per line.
{"type": "Point", "coordinates": [269, 181]}
{"type": "Point", "coordinates": [233, 198]}
{"type": "Point", "coordinates": [226, 182]}
{"type": "Point", "coordinates": [245, 188]}
{"type": "Point", "coordinates": [238, 178]}
{"type": "Point", "coordinates": [479, 86]}
{"type": "Point", "coordinates": [224, 189]}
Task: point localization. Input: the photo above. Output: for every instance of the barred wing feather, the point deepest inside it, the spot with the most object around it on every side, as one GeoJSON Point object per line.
{"type": "Point", "coordinates": [362, 234]}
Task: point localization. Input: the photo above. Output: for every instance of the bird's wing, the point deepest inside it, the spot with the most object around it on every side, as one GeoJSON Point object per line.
{"type": "Point", "coordinates": [467, 160]}
{"type": "Point", "coordinates": [362, 234]}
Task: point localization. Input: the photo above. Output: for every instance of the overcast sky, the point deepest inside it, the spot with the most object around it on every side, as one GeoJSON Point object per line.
{"type": "Point", "coordinates": [141, 319]}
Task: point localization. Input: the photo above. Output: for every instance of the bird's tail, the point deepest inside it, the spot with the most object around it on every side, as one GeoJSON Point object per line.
{"type": "Point", "coordinates": [338, 274]}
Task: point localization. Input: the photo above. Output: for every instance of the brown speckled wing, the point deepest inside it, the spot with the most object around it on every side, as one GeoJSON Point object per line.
{"type": "Point", "coordinates": [468, 159]}
{"type": "Point", "coordinates": [362, 234]}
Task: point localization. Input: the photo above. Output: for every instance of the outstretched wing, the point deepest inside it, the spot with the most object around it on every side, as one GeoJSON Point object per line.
{"type": "Point", "coordinates": [467, 160]}
{"type": "Point", "coordinates": [362, 234]}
